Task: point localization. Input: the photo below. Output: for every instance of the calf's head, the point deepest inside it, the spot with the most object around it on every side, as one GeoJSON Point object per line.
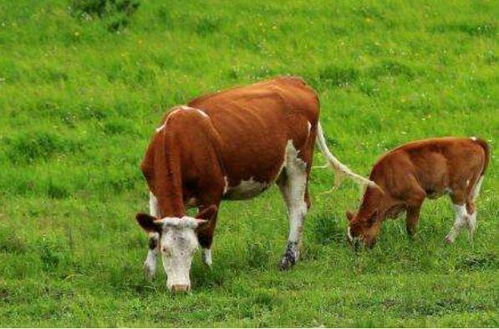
{"type": "Point", "coordinates": [177, 243]}
{"type": "Point", "coordinates": [363, 229]}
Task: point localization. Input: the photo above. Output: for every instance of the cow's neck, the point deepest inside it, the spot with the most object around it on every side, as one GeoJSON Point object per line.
{"type": "Point", "coordinates": [168, 178]}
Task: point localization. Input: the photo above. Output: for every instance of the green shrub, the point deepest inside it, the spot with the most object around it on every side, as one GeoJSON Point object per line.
{"type": "Point", "coordinates": [333, 76]}
{"type": "Point", "coordinates": [116, 13]}
{"type": "Point", "coordinates": [29, 147]}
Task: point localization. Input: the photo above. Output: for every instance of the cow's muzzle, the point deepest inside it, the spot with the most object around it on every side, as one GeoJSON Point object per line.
{"type": "Point", "coordinates": [180, 288]}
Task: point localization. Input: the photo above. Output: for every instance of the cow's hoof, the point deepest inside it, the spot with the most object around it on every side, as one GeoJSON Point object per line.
{"type": "Point", "coordinates": [449, 240]}
{"type": "Point", "coordinates": [286, 263]}
{"type": "Point", "coordinates": [290, 256]}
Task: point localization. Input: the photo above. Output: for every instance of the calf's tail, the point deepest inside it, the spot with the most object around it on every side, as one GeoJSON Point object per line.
{"type": "Point", "coordinates": [341, 171]}
{"type": "Point", "coordinates": [486, 149]}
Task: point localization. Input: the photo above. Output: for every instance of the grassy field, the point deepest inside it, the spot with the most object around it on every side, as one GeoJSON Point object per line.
{"type": "Point", "coordinates": [81, 94]}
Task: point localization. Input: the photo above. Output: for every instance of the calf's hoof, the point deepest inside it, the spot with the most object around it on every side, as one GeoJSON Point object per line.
{"type": "Point", "coordinates": [449, 240]}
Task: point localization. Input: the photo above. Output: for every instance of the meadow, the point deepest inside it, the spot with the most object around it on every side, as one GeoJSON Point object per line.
{"type": "Point", "coordinates": [83, 88]}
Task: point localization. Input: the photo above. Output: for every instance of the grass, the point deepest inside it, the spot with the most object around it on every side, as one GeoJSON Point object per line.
{"type": "Point", "coordinates": [80, 97]}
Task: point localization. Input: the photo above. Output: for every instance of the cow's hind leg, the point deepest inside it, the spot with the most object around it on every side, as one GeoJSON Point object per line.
{"type": "Point", "coordinates": [293, 186]}
{"type": "Point", "coordinates": [150, 262]}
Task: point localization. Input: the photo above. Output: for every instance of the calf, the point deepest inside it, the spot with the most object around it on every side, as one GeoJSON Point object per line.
{"type": "Point", "coordinates": [230, 145]}
{"type": "Point", "coordinates": [409, 174]}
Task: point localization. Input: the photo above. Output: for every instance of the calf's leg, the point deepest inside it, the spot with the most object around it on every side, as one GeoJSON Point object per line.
{"type": "Point", "coordinates": [460, 221]}
{"type": "Point", "coordinates": [414, 202]}
{"type": "Point", "coordinates": [458, 198]}
{"type": "Point", "coordinates": [412, 219]}
{"type": "Point", "coordinates": [471, 206]}
{"type": "Point", "coordinates": [464, 206]}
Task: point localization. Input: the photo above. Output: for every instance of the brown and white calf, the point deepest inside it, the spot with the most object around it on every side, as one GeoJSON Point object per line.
{"type": "Point", "coordinates": [230, 145]}
{"type": "Point", "coordinates": [409, 174]}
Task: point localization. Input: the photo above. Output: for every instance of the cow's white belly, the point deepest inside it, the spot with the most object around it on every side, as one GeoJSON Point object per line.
{"type": "Point", "coordinates": [246, 189]}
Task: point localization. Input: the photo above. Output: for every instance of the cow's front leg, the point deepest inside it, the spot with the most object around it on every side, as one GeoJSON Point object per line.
{"type": "Point", "coordinates": [205, 238]}
{"type": "Point", "coordinates": [206, 256]}
{"type": "Point", "coordinates": [150, 262]}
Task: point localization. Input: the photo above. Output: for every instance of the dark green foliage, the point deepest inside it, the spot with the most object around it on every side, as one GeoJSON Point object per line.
{"type": "Point", "coordinates": [334, 76]}
{"type": "Point", "coordinates": [10, 242]}
{"type": "Point", "coordinates": [486, 29]}
{"type": "Point", "coordinates": [258, 254]}
{"type": "Point", "coordinates": [207, 25]}
{"type": "Point", "coordinates": [78, 106]}
{"type": "Point", "coordinates": [32, 146]}
{"type": "Point", "coordinates": [390, 68]}
{"type": "Point", "coordinates": [326, 230]}
{"type": "Point", "coordinates": [116, 13]}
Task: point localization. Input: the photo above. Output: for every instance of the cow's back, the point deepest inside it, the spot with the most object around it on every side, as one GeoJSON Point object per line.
{"type": "Point", "coordinates": [256, 122]}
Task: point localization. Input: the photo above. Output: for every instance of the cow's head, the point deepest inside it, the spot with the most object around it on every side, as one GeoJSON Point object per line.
{"type": "Point", "coordinates": [178, 242]}
{"type": "Point", "coordinates": [363, 229]}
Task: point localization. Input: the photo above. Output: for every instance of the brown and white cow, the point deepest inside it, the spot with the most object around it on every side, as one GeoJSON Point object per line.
{"type": "Point", "coordinates": [230, 145]}
{"type": "Point", "coordinates": [409, 174]}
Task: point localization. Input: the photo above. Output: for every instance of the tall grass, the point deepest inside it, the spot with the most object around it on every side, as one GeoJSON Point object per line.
{"type": "Point", "coordinates": [81, 94]}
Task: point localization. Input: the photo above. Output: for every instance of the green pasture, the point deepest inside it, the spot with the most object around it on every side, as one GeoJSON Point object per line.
{"type": "Point", "coordinates": [83, 88]}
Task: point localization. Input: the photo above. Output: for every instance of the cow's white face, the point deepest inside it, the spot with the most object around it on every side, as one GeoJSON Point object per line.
{"type": "Point", "coordinates": [177, 245]}
{"type": "Point", "coordinates": [178, 242]}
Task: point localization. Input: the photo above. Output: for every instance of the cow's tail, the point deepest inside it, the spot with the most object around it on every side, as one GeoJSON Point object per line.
{"type": "Point", "coordinates": [341, 171]}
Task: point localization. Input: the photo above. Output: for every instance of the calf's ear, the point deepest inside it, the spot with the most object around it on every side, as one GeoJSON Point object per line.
{"type": "Point", "coordinates": [149, 223]}
{"type": "Point", "coordinates": [350, 215]}
{"type": "Point", "coordinates": [373, 217]}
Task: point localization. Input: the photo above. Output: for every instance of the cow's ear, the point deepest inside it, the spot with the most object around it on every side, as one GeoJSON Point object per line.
{"type": "Point", "coordinates": [207, 213]}
{"type": "Point", "coordinates": [350, 215]}
{"type": "Point", "coordinates": [373, 217]}
{"type": "Point", "coordinates": [149, 223]}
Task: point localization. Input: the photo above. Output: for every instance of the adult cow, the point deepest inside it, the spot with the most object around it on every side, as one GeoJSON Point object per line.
{"type": "Point", "coordinates": [230, 145]}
